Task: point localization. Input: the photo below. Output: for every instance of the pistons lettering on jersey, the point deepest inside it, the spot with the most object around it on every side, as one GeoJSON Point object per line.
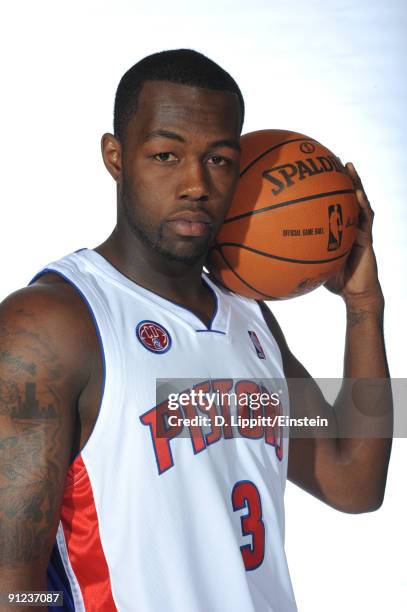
{"type": "Point", "coordinates": [153, 336]}
{"type": "Point", "coordinates": [215, 422]}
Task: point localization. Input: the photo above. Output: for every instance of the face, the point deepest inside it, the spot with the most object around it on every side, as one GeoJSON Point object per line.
{"type": "Point", "coordinates": [178, 168]}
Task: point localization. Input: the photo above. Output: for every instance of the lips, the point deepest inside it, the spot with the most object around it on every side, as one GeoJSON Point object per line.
{"type": "Point", "coordinates": [190, 223]}
{"type": "Point", "coordinates": [191, 217]}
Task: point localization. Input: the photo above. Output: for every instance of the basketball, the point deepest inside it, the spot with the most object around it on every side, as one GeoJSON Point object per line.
{"type": "Point", "coordinates": [292, 221]}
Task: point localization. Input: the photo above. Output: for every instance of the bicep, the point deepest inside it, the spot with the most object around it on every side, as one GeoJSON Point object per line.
{"type": "Point", "coordinates": [36, 432]}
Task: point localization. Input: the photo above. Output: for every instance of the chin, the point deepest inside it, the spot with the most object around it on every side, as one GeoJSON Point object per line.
{"type": "Point", "coordinates": [189, 256]}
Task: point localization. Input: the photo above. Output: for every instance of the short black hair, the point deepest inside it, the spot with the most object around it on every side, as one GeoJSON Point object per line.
{"type": "Point", "coordinates": [183, 66]}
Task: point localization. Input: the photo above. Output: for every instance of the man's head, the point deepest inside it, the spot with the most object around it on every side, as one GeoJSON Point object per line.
{"type": "Point", "coordinates": [175, 152]}
{"type": "Point", "coordinates": [182, 66]}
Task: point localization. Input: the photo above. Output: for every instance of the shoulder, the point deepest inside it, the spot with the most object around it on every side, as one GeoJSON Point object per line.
{"type": "Point", "coordinates": [50, 311]}
{"type": "Point", "coordinates": [49, 301]}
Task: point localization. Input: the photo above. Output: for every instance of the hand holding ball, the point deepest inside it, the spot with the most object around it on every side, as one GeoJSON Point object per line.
{"type": "Point", "coordinates": [292, 221]}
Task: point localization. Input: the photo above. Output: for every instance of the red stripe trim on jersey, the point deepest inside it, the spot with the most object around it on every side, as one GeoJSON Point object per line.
{"type": "Point", "coordinates": [81, 529]}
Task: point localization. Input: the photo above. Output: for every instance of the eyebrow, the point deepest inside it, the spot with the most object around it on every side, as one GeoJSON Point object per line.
{"type": "Point", "coordinates": [161, 133]}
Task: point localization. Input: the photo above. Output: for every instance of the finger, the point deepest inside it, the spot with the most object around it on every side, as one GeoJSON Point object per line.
{"type": "Point", "coordinates": [354, 175]}
{"type": "Point", "coordinates": [365, 219]}
{"type": "Point", "coordinates": [356, 179]}
{"type": "Point", "coordinates": [363, 202]}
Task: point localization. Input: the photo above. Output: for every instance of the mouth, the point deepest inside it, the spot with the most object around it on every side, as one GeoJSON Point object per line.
{"type": "Point", "coordinates": [190, 223]}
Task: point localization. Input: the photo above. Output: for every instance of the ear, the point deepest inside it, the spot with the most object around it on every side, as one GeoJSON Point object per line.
{"type": "Point", "coordinates": [112, 155]}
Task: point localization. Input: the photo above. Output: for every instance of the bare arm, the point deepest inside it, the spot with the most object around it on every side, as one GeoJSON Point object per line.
{"type": "Point", "coordinates": [348, 473]}
{"type": "Point", "coordinates": [39, 386]}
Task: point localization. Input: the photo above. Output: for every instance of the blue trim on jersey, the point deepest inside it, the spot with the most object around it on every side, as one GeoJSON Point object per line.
{"type": "Point", "coordinates": [215, 312]}
{"type": "Point", "coordinates": [214, 331]}
{"type": "Point", "coordinates": [207, 328]}
{"type": "Point", "coordinates": [99, 337]}
{"type": "Point", "coordinates": [57, 580]}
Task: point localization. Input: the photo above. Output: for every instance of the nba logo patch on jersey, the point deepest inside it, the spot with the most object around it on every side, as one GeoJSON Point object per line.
{"type": "Point", "coordinates": [153, 337]}
{"type": "Point", "coordinates": [257, 345]}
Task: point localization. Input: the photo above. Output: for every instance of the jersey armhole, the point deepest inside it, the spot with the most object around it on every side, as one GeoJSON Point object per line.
{"type": "Point", "coordinates": [49, 270]}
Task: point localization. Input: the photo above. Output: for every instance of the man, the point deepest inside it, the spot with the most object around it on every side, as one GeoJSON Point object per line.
{"type": "Point", "coordinates": [143, 518]}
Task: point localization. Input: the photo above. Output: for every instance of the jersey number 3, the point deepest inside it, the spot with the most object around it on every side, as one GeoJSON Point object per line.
{"type": "Point", "coordinates": [246, 495]}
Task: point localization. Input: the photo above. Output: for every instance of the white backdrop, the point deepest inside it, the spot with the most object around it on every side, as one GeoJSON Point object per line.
{"type": "Point", "coordinates": [332, 70]}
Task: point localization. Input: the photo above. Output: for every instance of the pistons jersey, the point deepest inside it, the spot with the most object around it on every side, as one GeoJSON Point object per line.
{"type": "Point", "coordinates": [176, 501]}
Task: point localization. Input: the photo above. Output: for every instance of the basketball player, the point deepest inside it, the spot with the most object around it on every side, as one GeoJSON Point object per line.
{"type": "Point", "coordinates": [124, 518]}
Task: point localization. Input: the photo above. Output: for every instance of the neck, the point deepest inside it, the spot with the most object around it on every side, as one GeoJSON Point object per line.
{"type": "Point", "coordinates": [173, 280]}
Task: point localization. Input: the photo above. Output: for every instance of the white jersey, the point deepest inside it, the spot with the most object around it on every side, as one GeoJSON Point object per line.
{"type": "Point", "coordinates": [161, 513]}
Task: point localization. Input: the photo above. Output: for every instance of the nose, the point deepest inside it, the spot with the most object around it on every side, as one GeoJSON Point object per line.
{"type": "Point", "coordinates": [193, 183]}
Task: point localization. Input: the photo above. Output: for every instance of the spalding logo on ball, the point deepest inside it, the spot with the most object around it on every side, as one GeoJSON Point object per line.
{"type": "Point", "coordinates": [292, 221]}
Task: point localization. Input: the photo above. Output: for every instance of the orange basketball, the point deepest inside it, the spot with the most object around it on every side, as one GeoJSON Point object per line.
{"type": "Point", "coordinates": [292, 221]}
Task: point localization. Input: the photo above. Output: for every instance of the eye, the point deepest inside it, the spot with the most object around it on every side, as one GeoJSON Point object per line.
{"type": "Point", "coordinates": [163, 157]}
{"type": "Point", "coordinates": [218, 160]}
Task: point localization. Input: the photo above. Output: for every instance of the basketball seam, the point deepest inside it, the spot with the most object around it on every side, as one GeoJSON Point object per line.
{"type": "Point", "coordinates": [266, 295]}
{"type": "Point", "coordinates": [288, 203]}
{"type": "Point", "coordinates": [280, 144]}
{"type": "Point", "coordinates": [271, 256]}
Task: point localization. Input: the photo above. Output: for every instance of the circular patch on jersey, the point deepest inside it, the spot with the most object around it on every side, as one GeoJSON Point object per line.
{"type": "Point", "coordinates": [153, 336]}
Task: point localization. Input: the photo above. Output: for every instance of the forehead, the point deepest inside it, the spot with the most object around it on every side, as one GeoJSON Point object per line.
{"type": "Point", "coordinates": [194, 110]}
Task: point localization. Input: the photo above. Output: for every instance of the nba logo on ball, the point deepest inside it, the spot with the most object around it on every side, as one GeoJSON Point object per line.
{"type": "Point", "coordinates": [153, 336]}
{"type": "Point", "coordinates": [335, 227]}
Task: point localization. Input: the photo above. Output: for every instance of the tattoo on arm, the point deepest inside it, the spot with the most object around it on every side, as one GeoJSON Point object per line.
{"type": "Point", "coordinates": [356, 316]}
{"type": "Point", "coordinates": [17, 362]}
{"type": "Point", "coordinates": [31, 453]}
